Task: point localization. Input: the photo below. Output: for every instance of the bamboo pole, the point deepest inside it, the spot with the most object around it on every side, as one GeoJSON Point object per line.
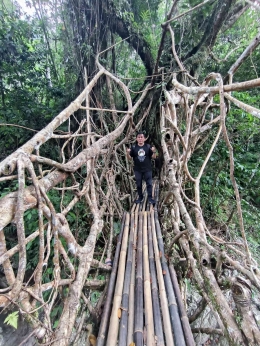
{"type": "Point", "coordinates": [139, 319]}
{"type": "Point", "coordinates": [125, 300]}
{"type": "Point", "coordinates": [114, 318]}
{"type": "Point", "coordinates": [179, 339]}
{"type": "Point", "coordinates": [164, 304]}
{"type": "Point", "coordinates": [149, 323]}
{"type": "Point", "coordinates": [156, 195]}
{"type": "Point", "coordinates": [133, 209]}
{"type": "Point", "coordinates": [156, 191]}
{"type": "Point", "coordinates": [154, 287]}
{"type": "Point", "coordinates": [184, 318]}
{"type": "Point", "coordinates": [150, 206]}
{"type": "Point", "coordinates": [130, 331]}
{"type": "Point", "coordinates": [107, 308]}
{"type": "Point", "coordinates": [144, 202]}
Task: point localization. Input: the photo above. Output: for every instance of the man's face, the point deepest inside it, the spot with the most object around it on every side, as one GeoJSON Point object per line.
{"type": "Point", "coordinates": [140, 139]}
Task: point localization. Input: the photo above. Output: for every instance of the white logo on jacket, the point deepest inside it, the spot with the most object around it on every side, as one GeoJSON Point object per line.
{"type": "Point", "coordinates": [141, 155]}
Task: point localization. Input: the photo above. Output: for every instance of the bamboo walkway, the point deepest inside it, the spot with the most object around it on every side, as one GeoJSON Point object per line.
{"type": "Point", "coordinates": [143, 304]}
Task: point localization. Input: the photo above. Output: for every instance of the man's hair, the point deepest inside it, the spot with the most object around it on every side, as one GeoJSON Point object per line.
{"type": "Point", "coordinates": [140, 133]}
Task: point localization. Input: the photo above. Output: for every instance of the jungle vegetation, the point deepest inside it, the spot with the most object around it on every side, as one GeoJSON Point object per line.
{"type": "Point", "coordinates": [77, 80]}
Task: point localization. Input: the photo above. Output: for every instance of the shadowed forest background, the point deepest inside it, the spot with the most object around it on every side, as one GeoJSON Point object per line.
{"type": "Point", "coordinates": [78, 79]}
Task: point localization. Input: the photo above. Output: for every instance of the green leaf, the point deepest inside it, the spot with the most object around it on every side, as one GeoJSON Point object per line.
{"type": "Point", "coordinates": [72, 215]}
{"type": "Point", "coordinates": [29, 245]}
{"type": "Point", "coordinates": [56, 324]}
{"type": "Point", "coordinates": [117, 227]}
{"type": "Point", "coordinates": [95, 296]}
{"type": "Point", "coordinates": [12, 319]}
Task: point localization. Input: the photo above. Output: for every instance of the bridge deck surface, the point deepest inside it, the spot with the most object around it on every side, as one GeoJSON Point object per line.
{"type": "Point", "coordinates": [143, 304]}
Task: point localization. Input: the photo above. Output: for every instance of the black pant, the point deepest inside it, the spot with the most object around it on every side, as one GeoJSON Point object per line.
{"type": "Point", "coordinates": [147, 176]}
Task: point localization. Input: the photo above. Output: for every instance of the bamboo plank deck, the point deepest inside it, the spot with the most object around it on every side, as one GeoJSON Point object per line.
{"type": "Point", "coordinates": [143, 304]}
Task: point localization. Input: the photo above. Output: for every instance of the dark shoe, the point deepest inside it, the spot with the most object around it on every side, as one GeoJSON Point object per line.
{"type": "Point", "coordinates": [108, 262]}
{"type": "Point", "coordinates": [151, 201]}
{"type": "Point", "coordinates": [139, 200]}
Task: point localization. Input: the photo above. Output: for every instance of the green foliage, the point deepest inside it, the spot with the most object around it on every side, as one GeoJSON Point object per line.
{"type": "Point", "coordinates": [30, 97]}
{"type": "Point", "coordinates": [94, 297]}
{"type": "Point", "coordinates": [188, 284]}
{"type": "Point", "coordinates": [217, 193]}
{"type": "Point", "coordinates": [232, 43]}
{"type": "Point", "coordinates": [117, 227]}
{"type": "Point", "coordinates": [129, 67]}
{"type": "Point", "coordinates": [55, 315]}
{"type": "Point", "coordinates": [145, 18]}
{"type": "Point", "coordinates": [12, 319]}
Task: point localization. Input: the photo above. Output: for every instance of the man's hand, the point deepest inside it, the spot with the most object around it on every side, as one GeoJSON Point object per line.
{"type": "Point", "coordinates": [154, 152]}
{"type": "Point", "coordinates": [128, 150]}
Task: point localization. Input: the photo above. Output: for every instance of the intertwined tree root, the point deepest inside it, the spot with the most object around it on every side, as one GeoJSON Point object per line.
{"type": "Point", "coordinates": [94, 172]}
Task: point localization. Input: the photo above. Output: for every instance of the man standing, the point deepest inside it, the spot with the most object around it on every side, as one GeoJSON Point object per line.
{"type": "Point", "coordinates": [142, 154]}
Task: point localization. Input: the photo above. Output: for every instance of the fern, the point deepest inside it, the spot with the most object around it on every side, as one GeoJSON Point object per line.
{"type": "Point", "coordinates": [12, 319]}
{"type": "Point", "coordinates": [145, 15]}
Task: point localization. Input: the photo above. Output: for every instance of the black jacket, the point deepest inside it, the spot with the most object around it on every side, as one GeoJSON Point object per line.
{"type": "Point", "coordinates": [142, 157]}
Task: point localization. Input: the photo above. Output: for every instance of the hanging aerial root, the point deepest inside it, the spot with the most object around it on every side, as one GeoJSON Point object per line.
{"type": "Point", "coordinates": [17, 285]}
{"type": "Point", "coordinates": [241, 290]}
